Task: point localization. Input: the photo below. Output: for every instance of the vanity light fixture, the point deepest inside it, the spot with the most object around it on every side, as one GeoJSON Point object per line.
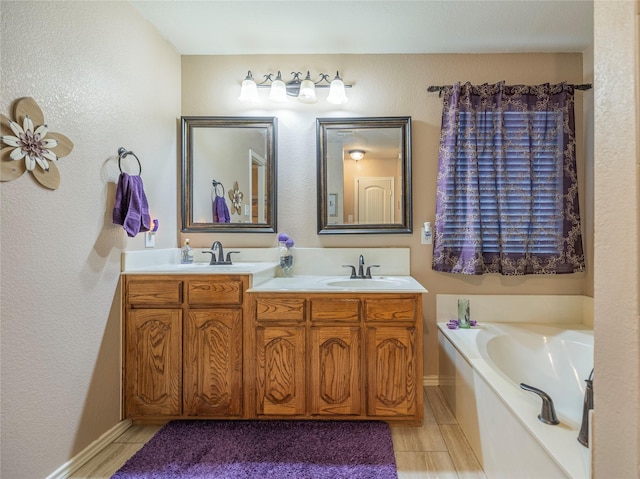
{"type": "Point", "coordinates": [304, 90]}
{"type": "Point", "coordinates": [356, 155]}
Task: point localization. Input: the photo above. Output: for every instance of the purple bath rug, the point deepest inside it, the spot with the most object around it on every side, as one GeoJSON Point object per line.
{"type": "Point", "coordinates": [265, 449]}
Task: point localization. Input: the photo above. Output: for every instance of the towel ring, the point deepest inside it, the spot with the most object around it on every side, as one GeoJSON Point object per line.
{"type": "Point", "coordinates": [123, 153]}
{"type": "Point", "coordinates": [215, 187]}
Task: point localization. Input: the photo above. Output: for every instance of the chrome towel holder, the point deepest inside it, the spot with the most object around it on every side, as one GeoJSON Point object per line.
{"type": "Point", "coordinates": [123, 153]}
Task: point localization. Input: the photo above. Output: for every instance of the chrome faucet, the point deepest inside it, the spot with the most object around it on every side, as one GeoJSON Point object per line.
{"type": "Point", "coordinates": [220, 259]}
{"type": "Point", "coordinates": [583, 435]}
{"type": "Point", "coordinates": [361, 274]}
{"type": "Point", "coordinates": [548, 413]}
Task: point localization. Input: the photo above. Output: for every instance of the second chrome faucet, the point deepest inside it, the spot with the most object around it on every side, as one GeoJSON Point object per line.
{"type": "Point", "coordinates": [361, 274]}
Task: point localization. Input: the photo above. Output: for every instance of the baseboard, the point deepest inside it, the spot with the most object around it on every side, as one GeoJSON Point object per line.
{"type": "Point", "coordinates": [80, 459]}
{"type": "Point", "coordinates": [431, 380]}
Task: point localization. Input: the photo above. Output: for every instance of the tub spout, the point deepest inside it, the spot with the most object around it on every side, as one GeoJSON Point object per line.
{"type": "Point", "coordinates": [548, 413]}
{"type": "Point", "coordinates": [583, 435]}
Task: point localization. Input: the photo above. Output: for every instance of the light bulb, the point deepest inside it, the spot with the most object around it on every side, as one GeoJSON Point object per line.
{"type": "Point", "coordinates": [278, 92]}
{"type": "Point", "coordinates": [307, 90]}
{"type": "Point", "coordinates": [337, 95]}
{"type": "Point", "coordinates": [249, 92]}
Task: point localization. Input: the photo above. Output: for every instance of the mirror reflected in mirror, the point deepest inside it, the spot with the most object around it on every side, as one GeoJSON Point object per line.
{"type": "Point", "coordinates": [228, 174]}
{"type": "Point", "coordinates": [364, 175]}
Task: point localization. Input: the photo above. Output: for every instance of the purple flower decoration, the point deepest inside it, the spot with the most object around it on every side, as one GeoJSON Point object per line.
{"type": "Point", "coordinates": [283, 237]}
{"type": "Point", "coordinates": [289, 243]}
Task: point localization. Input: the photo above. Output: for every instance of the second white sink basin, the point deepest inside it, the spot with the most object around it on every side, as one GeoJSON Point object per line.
{"type": "Point", "coordinates": [361, 283]}
{"type": "Point", "coordinates": [337, 284]}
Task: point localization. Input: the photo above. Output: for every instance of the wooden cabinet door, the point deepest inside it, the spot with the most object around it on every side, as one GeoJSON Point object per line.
{"type": "Point", "coordinates": [335, 370]}
{"type": "Point", "coordinates": [153, 362]}
{"type": "Point", "coordinates": [392, 371]}
{"type": "Point", "coordinates": [280, 370]}
{"type": "Point", "coordinates": [213, 362]}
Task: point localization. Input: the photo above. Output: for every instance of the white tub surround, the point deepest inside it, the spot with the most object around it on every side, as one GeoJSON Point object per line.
{"type": "Point", "coordinates": [480, 372]}
{"type": "Point", "coordinates": [494, 308]}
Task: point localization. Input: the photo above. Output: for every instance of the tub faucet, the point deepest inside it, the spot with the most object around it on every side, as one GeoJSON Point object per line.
{"type": "Point", "coordinates": [583, 435]}
{"type": "Point", "coordinates": [548, 413]}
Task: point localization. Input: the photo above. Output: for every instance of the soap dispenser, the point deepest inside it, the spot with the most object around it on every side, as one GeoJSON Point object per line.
{"type": "Point", "coordinates": [187, 253]}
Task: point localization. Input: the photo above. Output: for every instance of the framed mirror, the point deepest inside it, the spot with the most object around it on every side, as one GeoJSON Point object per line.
{"type": "Point", "coordinates": [228, 174]}
{"type": "Point", "coordinates": [364, 175]}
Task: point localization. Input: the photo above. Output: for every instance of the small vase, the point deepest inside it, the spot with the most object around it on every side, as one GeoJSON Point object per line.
{"type": "Point", "coordinates": [464, 314]}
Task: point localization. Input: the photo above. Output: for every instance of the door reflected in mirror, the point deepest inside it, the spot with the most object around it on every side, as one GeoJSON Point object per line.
{"type": "Point", "coordinates": [364, 175]}
{"type": "Point", "coordinates": [228, 174]}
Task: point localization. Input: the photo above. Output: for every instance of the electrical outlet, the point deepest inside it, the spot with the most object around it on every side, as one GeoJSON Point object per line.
{"type": "Point", "coordinates": [149, 240]}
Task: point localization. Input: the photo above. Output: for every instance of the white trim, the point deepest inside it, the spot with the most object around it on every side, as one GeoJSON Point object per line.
{"type": "Point", "coordinates": [431, 380]}
{"type": "Point", "coordinates": [80, 459]}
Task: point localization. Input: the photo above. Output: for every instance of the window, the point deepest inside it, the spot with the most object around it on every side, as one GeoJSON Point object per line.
{"type": "Point", "coordinates": [505, 203]}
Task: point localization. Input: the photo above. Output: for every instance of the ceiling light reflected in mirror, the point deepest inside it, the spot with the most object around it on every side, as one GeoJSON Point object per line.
{"type": "Point", "coordinates": [356, 155]}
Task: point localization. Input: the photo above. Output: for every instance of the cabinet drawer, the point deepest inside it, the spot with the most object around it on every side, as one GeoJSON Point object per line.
{"type": "Point", "coordinates": [390, 309]}
{"type": "Point", "coordinates": [153, 292]}
{"type": "Point", "coordinates": [212, 291]}
{"type": "Point", "coordinates": [270, 309]}
{"type": "Point", "coordinates": [335, 309]}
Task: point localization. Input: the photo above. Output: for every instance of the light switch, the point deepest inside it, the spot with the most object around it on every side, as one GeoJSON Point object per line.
{"type": "Point", "coordinates": [149, 239]}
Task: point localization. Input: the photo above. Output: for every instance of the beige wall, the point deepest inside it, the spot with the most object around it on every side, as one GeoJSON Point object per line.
{"type": "Point", "coordinates": [105, 78]}
{"type": "Point", "coordinates": [384, 85]}
{"type": "Point", "coordinates": [111, 81]}
{"type": "Point", "coordinates": [617, 239]}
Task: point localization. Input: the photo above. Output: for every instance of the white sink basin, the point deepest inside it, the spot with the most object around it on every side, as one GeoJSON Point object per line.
{"type": "Point", "coordinates": [360, 283]}
{"type": "Point", "coordinates": [216, 266]}
{"type": "Point", "coordinates": [337, 284]}
{"type": "Point", "coordinates": [206, 268]}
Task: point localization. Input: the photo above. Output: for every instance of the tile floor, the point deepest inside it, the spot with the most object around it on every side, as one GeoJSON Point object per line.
{"type": "Point", "coordinates": [438, 449]}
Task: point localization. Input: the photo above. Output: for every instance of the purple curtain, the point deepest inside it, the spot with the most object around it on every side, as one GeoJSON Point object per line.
{"type": "Point", "coordinates": [507, 197]}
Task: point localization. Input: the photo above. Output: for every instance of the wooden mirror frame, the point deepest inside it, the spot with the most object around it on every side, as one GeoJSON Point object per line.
{"type": "Point", "coordinates": [188, 123]}
{"type": "Point", "coordinates": [323, 126]}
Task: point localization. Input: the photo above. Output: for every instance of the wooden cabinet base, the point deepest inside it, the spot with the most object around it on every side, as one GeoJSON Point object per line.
{"type": "Point", "coordinates": [200, 347]}
{"type": "Point", "coordinates": [337, 356]}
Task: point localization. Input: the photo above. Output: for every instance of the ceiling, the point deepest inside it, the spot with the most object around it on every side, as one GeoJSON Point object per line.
{"type": "Point", "coordinates": [239, 27]}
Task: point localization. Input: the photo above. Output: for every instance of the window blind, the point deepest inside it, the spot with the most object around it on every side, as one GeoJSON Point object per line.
{"type": "Point", "coordinates": [518, 179]}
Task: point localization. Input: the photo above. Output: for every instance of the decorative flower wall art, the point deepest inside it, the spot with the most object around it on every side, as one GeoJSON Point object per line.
{"type": "Point", "coordinates": [30, 146]}
{"type": "Point", "coordinates": [236, 199]}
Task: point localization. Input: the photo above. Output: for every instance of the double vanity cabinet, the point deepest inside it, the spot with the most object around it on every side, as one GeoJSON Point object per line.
{"type": "Point", "coordinates": [211, 346]}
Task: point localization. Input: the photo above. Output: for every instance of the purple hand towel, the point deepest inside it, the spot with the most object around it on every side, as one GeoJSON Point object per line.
{"type": "Point", "coordinates": [220, 211]}
{"type": "Point", "coordinates": [131, 209]}
{"type": "Point", "coordinates": [122, 200]}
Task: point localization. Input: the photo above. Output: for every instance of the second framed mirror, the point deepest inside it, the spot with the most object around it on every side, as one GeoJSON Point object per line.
{"type": "Point", "coordinates": [364, 175]}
